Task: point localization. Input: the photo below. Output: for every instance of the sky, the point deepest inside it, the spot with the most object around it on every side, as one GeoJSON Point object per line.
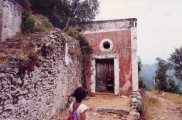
{"type": "Point", "coordinates": [159, 24]}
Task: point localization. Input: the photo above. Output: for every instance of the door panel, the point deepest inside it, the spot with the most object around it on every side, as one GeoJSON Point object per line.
{"type": "Point", "coordinates": [105, 75]}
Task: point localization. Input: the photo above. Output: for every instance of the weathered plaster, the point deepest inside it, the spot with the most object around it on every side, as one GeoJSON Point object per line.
{"type": "Point", "coordinates": [107, 25]}
{"type": "Point", "coordinates": [104, 30]}
{"type": "Point", "coordinates": [12, 18]}
{"type": "Point", "coordinates": [122, 34]}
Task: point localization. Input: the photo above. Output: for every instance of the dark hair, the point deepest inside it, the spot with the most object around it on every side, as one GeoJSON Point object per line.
{"type": "Point", "coordinates": [79, 94]}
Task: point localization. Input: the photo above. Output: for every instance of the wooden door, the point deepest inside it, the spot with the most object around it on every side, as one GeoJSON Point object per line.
{"type": "Point", "coordinates": [105, 75]}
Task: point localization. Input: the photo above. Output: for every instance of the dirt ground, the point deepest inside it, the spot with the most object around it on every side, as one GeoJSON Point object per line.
{"type": "Point", "coordinates": [166, 110]}
{"type": "Point", "coordinates": [105, 101]}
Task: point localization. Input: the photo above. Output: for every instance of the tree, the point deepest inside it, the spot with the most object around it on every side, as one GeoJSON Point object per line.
{"type": "Point", "coordinates": [161, 74]}
{"type": "Point", "coordinates": [81, 11]}
{"type": "Point", "coordinates": [139, 65]}
{"type": "Point", "coordinates": [176, 61]}
{"type": "Point", "coordinates": [62, 13]}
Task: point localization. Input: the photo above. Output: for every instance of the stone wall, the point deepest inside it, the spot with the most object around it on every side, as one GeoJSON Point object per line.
{"type": "Point", "coordinates": [11, 22]}
{"type": "Point", "coordinates": [39, 94]}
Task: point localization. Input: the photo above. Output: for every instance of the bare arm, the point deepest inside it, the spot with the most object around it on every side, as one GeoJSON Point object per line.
{"type": "Point", "coordinates": [83, 115]}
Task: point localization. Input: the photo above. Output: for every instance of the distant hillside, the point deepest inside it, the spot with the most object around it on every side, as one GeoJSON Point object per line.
{"type": "Point", "coordinates": [147, 72]}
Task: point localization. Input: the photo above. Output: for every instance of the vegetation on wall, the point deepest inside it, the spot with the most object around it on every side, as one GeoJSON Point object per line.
{"type": "Point", "coordinates": [35, 23]}
{"type": "Point", "coordinates": [82, 40]}
{"type": "Point", "coordinates": [62, 13]}
{"type": "Point", "coordinates": [28, 23]}
{"type": "Point", "coordinates": [26, 63]}
{"type": "Point", "coordinates": [85, 48]}
{"type": "Point", "coordinates": [42, 24]}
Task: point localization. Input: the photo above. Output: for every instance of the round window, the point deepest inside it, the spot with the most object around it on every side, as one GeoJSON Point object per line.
{"type": "Point", "coordinates": [106, 45]}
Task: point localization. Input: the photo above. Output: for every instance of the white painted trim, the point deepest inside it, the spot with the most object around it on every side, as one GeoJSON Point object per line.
{"type": "Point", "coordinates": [116, 76]}
{"type": "Point", "coordinates": [116, 71]}
{"type": "Point", "coordinates": [134, 59]}
{"type": "Point", "coordinates": [93, 75]}
{"type": "Point", "coordinates": [105, 30]}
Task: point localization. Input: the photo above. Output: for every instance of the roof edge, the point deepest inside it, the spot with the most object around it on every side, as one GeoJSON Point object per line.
{"type": "Point", "coordinates": [112, 20]}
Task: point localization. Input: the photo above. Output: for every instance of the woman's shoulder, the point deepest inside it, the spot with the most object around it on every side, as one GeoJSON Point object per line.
{"type": "Point", "coordinates": [82, 108]}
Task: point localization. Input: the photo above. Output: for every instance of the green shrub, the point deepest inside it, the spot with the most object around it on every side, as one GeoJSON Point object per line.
{"type": "Point", "coordinates": [28, 23]}
{"type": "Point", "coordinates": [172, 87]}
{"type": "Point", "coordinates": [42, 23]}
{"type": "Point", "coordinates": [82, 40]}
{"type": "Point", "coordinates": [38, 23]}
{"type": "Point", "coordinates": [26, 63]}
{"type": "Point", "coordinates": [142, 83]}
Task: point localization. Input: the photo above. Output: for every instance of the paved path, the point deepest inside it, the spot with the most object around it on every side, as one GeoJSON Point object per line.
{"type": "Point", "coordinates": [104, 101]}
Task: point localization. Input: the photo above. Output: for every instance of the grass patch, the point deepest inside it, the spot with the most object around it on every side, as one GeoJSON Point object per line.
{"type": "Point", "coordinates": [150, 106]}
{"type": "Point", "coordinates": [175, 98]}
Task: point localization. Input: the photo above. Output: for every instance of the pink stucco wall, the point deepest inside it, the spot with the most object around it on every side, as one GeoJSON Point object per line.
{"type": "Point", "coordinates": [122, 47]}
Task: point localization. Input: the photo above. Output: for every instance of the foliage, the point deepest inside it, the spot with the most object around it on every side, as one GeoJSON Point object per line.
{"type": "Point", "coordinates": [28, 23]}
{"type": "Point", "coordinates": [35, 22]}
{"type": "Point", "coordinates": [163, 81]}
{"type": "Point", "coordinates": [82, 40]}
{"type": "Point", "coordinates": [24, 3]}
{"type": "Point", "coordinates": [26, 63]}
{"type": "Point", "coordinates": [176, 61]}
{"type": "Point", "coordinates": [42, 24]}
{"type": "Point", "coordinates": [142, 83]}
{"type": "Point", "coordinates": [85, 48]}
{"type": "Point", "coordinates": [139, 65]}
{"type": "Point", "coordinates": [172, 87]}
{"type": "Point", "coordinates": [81, 11]}
{"type": "Point", "coordinates": [63, 12]}
{"type": "Point", "coordinates": [161, 74]}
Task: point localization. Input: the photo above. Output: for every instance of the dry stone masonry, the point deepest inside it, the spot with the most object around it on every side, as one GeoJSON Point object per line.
{"type": "Point", "coordinates": [39, 94]}
{"type": "Point", "coordinates": [136, 106]}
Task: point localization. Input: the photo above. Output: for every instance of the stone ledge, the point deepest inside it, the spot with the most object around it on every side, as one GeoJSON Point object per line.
{"type": "Point", "coordinates": [112, 110]}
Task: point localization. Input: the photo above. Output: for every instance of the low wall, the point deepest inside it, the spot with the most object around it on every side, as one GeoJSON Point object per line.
{"type": "Point", "coordinates": [39, 94]}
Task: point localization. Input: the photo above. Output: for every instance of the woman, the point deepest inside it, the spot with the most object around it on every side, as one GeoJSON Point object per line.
{"type": "Point", "coordinates": [77, 108]}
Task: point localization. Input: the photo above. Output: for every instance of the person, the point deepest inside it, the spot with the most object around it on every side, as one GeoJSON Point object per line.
{"type": "Point", "coordinates": [77, 108]}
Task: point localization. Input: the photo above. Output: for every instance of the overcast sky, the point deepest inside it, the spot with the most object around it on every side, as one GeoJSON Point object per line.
{"type": "Point", "coordinates": [159, 24]}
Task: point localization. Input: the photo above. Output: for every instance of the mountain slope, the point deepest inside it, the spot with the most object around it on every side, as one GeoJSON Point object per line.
{"type": "Point", "coordinates": [148, 72]}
